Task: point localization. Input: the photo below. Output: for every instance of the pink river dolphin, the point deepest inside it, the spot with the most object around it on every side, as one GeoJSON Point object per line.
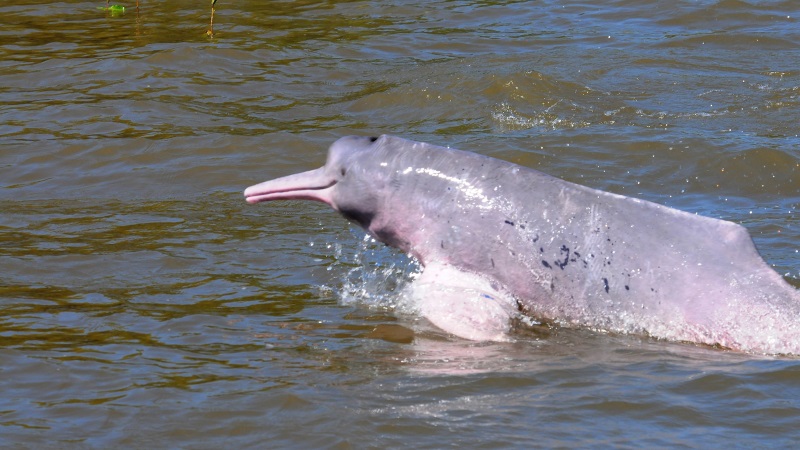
{"type": "Point", "coordinates": [499, 241]}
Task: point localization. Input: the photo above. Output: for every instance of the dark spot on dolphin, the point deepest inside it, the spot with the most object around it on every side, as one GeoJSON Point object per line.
{"type": "Point", "coordinates": [541, 249]}
{"type": "Point", "coordinates": [562, 264]}
{"type": "Point", "coordinates": [605, 283]}
{"type": "Point", "coordinates": [578, 255]}
{"type": "Point", "coordinates": [492, 259]}
{"type": "Point", "coordinates": [546, 264]}
{"type": "Point", "coordinates": [552, 286]}
{"type": "Point", "coordinates": [510, 222]}
{"type": "Point", "coordinates": [523, 227]}
{"type": "Point", "coordinates": [442, 244]}
{"type": "Point", "coordinates": [536, 238]}
{"type": "Point", "coordinates": [627, 288]}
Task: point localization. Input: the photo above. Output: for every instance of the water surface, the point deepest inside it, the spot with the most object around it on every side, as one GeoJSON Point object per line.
{"type": "Point", "coordinates": [144, 304]}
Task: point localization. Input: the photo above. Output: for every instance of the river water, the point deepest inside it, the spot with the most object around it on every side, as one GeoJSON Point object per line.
{"type": "Point", "coordinates": [144, 304]}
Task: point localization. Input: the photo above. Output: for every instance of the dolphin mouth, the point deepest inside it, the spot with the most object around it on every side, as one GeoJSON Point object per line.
{"type": "Point", "coordinates": [313, 185]}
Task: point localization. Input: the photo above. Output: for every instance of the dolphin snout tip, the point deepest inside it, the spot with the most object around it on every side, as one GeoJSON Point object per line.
{"type": "Point", "coordinates": [250, 195]}
{"type": "Point", "coordinates": [252, 190]}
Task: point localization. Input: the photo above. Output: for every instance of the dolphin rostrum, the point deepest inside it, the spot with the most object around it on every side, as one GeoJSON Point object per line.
{"type": "Point", "coordinates": [498, 240]}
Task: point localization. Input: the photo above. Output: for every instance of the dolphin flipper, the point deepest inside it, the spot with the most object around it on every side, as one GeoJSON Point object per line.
{"type": "Point", "coordinates": [463, 304]}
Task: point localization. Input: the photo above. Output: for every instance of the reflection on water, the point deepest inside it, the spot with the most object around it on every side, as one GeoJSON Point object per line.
{"type": "Point", "coordinates": [144, 304]}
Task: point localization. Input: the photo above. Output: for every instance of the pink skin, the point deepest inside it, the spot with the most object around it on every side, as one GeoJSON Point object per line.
{"type": "Point", "coordinates": [312, 185]}
{"type": "Point", "coordinates": [488, 229]}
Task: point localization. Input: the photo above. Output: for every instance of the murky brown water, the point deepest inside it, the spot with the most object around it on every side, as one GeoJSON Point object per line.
{"type": "Point", "coordinates": [144, 304]}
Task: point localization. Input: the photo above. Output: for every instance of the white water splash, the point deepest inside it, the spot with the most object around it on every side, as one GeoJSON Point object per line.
{"type": "Point", "coordinates": [373, 275]}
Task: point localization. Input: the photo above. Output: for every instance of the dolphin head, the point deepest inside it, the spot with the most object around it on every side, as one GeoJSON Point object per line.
{"type": "Point", "coordinates": [351, 181]}
{"type": "Point", "coordinates": [401, 192]}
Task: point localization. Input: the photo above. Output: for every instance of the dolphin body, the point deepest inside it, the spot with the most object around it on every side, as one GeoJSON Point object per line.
{"type": "Point", "coordinates": [497, 240]}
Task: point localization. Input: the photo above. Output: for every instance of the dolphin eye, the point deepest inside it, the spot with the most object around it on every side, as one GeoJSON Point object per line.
{"type": "Point", "coordinates": [373, 139]}
{"type": "Point", "coordinates": [344, 171]}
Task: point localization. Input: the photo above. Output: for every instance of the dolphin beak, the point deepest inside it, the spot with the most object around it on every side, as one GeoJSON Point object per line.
{"type": "Point", "coordinates": [312, 185]}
